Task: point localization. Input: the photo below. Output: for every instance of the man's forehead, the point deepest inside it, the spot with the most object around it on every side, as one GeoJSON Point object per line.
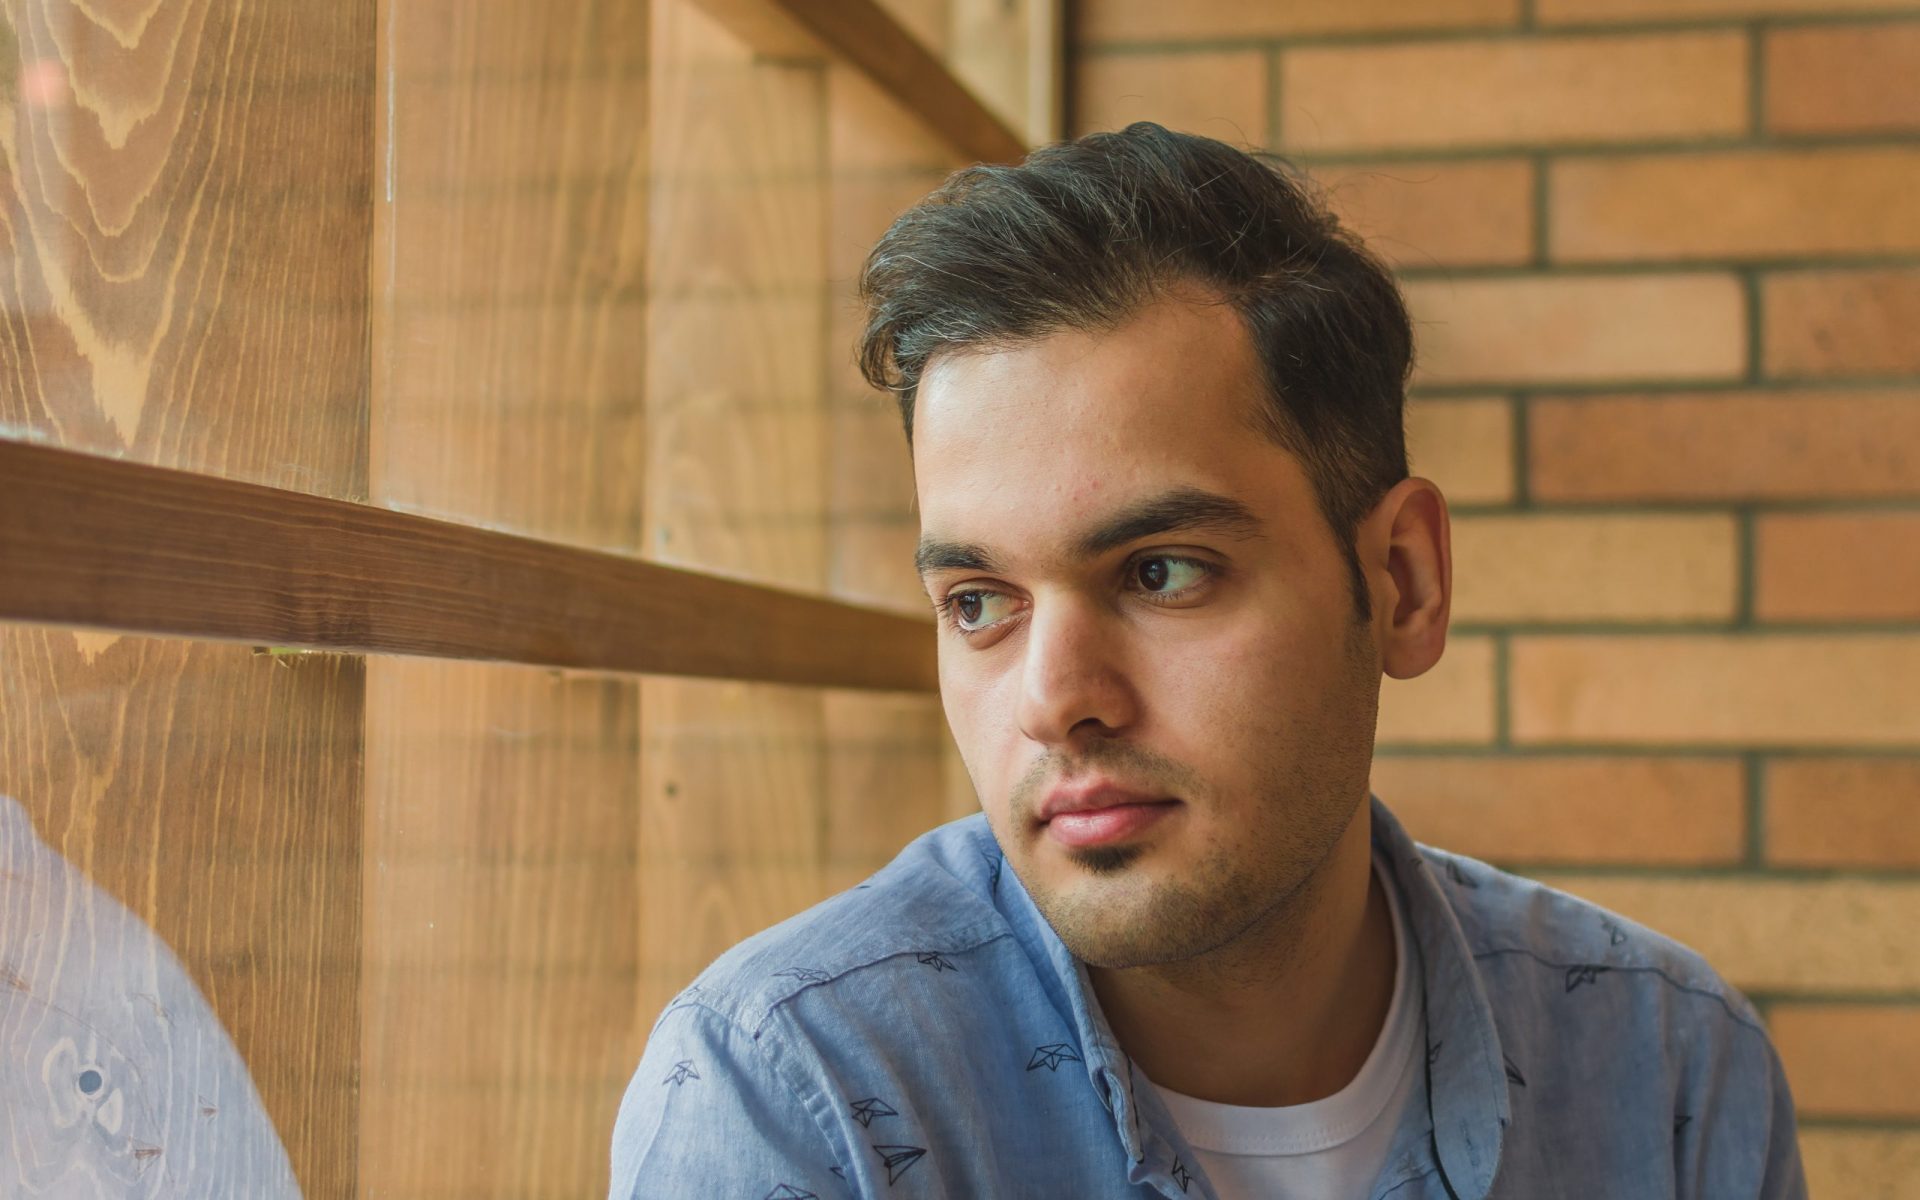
{"type": "Point", "coordinates": [1057, 450]}
{"type": "Point", "coordinates": [1177, 368]}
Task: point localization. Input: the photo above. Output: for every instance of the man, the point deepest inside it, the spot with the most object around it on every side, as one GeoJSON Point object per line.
{"type": "Point", "coordinates": [1154, 395]}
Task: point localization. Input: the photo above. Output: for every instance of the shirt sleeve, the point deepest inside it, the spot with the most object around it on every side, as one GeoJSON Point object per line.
{"type": "Point", "coordinates": [709, 1113]}
{"type": "Point", "coordinates": [1785, 1178]}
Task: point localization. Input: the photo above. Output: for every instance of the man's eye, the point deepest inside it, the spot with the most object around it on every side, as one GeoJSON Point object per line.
{"type": "Point", "coordinates": [974, 611]}
{"type": "Point", "coordinates": [1168, 576]}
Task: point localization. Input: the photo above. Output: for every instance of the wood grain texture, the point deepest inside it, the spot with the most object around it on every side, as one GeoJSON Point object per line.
{"type": "Point", "coordinates": [183, 276]}
{"type": "Point", "coordinates": [114, 1069]}
{"type": "Point", "coordinates": [215, 794]}
{"type": "Point", "coordinates": [501, 935]}
{"type": "Point", "coordinates": [759, 801]}
{"type": "Point", "coordinates": [502, 906]}
{"type": "Point", "coordinates": [185, 234]}
{"type": "Point", "coordinates": [417, 892]}
{"type": "Point", "coordinates": [125, 546]}
{"type": "Point", "coordinates": [893, 771]}
{"type": "Point", "coordinates": [732, 774]}
{"type": "Point", "coordinates": [873, 39]}
{"type": "Point", "coordinates": [510, 233]}
{"type": "Point", "coordinates": [863, 34]}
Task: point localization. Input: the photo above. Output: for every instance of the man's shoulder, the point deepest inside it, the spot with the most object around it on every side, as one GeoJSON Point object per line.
{"type": "Point", "coordinates": [934, 901]}
{"type": "Point", "coordinates": [1609, 1033]}
{"type": "Point", "coordinates": [1516, 927]}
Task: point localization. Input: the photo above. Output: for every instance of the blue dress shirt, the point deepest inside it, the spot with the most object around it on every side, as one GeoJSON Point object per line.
{"type": "Point", "coordinates": [926, 1034]}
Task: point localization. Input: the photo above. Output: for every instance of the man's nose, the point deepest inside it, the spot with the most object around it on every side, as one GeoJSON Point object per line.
{"type": "Point", "coordinates": [1073, 675]}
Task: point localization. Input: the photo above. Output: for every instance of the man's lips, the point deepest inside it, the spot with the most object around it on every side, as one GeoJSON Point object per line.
{"type": "Point", "coordinates": [1100, 813]}
{"type": "Point", "coordinates": [1094, 795]}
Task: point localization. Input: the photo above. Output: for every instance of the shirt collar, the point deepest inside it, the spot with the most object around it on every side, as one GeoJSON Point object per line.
{"type": "Point", "coordinates": [1466, 1076]}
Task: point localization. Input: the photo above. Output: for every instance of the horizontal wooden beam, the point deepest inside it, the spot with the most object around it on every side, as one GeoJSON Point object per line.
{"type": "Point", "coordinates": [103, 543]}
{"type": "Point", "coordinates": [874, 42]}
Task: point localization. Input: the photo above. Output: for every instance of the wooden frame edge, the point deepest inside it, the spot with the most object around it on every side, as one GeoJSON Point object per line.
{"type": "Point", "coordinates": [876, 44]}
{"type": "Point", "coordinates": [105, 543]}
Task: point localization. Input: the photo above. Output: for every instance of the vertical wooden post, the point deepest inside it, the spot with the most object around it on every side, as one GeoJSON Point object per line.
{"type": "Point", "coordinates": [509, 345]}
{"type": "Point", "coordinates": [185, 249]}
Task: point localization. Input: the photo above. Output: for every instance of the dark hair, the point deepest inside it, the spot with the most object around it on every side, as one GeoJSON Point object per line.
{"type": "Point", "coordinates": [1085, 233]}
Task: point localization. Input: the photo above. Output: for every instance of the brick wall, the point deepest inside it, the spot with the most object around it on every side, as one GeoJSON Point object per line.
{"type": "Point", "coordinates": [1664, 257]}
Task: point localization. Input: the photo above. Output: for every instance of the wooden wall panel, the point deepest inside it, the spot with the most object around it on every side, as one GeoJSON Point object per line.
{"type": "Point", "coordinates": [1004, 51]}
{"type": "Point", "coordinates": [216, 794]}
{"type": "Point", "coordinates": [893, 771]}
{"type": "Point", "coordinates": [435, 258]}
{"type": "Point", "coordinates": [508, 344]}
{"type": "Point", "coordinates": [501, 916]}
{"type": "Point", "coordinates": [732, 773]}
{"type": "Point", "coordinates": [502, 904]}
{"type": "Point", "coordinates": [184, 239]}
{"type": "Point", "coordinates": [183, 248]}
{"type": "Point", "coordinates": [768, 458]}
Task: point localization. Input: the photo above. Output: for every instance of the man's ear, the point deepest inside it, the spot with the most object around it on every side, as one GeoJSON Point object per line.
{"type": "Point", "coordinates": [1406, 550]}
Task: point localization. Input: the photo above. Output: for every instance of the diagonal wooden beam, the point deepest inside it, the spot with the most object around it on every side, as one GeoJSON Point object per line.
{"type": "Point", "coordinates": [874, 42]}
{"type": "Point", "coordinates": [99, 542]}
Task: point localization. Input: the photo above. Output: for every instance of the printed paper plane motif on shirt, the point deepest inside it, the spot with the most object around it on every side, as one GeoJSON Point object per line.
{"type": "Point", "coordinates": [1051, 1056]}
{"type": "Point", "coordinates": [899, 1159]}
{"type": "Point", "coordinates": [1584, 973]}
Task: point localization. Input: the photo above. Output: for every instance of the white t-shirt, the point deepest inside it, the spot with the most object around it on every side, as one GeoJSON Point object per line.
{"type": "Point", "coordinates": [1331, 1148]}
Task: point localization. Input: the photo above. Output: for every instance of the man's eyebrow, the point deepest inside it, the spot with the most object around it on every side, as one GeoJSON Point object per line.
{"type": "Point", "coordinates": [932, 554]}
{"type": "Point", "coordinates": [1179, 510]}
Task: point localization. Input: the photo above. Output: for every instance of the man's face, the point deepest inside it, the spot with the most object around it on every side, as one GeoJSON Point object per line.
{"type": "Point", "coordinates": [1165, 701]}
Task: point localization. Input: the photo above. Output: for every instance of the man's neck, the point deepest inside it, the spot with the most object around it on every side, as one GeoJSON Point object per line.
{"type": "Point", "coordinates": [1285, 1014]}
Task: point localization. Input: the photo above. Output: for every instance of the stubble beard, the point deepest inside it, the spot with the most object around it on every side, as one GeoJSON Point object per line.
{"type": "Point", "coordinates": [1123, 915]}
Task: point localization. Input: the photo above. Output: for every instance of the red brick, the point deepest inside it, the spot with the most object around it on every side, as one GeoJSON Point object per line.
{"type": "Point", "coordinates": [1506, 91]}
{"type": "Point", "coordinates": [1844, 79]}
{"type": "Point", "coordinates": [1437, 213]}
{"type": "Point", "coordinates": [1571, 328]}
{"type": "Point", "coordinates": [1843, 812]}
{"type": "Point", "coordinates": [1749, 204]}
{"type": "Point", "coordinates": [1464, 444]}
{"type": "Point", "coordinates": [1775, 935]}
{"type": "Point", "coordinates": [1594, 567]}
{"type": "Point", "coordinates": [1859, 322]}
{"type": "Point", "coordinates": [1452, 702]}
{"type": "Point", "coordinates": [1850, 1060]}
{"type": "Point", "coordinates": [1222, 94]}
{"type": "Point", "coordinates": [1863, 1163]}
{"type": "Point", "coordinates": [1726, 446]}
{"type": "Point", "coordinates": [1838, 567]}
{"type": "Point", "coordinates": [1829, 690]}
{"type": "Point", "coordinates": [1638, 11]}
{"type": "Point", "coordinates": [1159, 21]}
{"type": "Point", "coordinates": [1567, 809]}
